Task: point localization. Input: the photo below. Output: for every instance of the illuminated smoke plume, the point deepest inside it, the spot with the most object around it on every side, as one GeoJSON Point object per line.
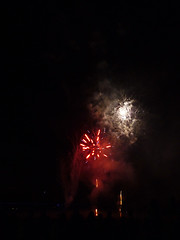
{"type": "Point", "coordinates": [103, 164]}
{"type": "Point", "coordinates": [120, 114]}
{"type": "Point", "coordinates": [99, 157]}
{"type": "Point", "coordinates": [110, 173]}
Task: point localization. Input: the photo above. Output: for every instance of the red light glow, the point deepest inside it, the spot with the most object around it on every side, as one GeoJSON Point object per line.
{"type": "Point", "coordinates": [97, 183]}
{"type": "Point", "coordinates": [95, 146]}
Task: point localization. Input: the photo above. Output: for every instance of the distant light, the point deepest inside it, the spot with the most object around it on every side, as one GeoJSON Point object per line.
{"type": "Point", "coordinates": [96, 212]}
{"type": "Point", "coordinates": [120, 198]}
{"type": "Point", "coordinates": [97, 183]}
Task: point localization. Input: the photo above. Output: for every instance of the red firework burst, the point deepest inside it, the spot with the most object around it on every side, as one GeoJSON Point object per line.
{"type": "Point", "coordinates": [94, 145]}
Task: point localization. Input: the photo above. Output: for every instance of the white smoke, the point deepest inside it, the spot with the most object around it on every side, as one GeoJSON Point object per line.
{"type": "Point", "coordinates": [116, 111]}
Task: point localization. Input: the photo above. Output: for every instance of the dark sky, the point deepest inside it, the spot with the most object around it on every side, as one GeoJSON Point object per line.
{"type": "Point", "coordinates": [54, 57]}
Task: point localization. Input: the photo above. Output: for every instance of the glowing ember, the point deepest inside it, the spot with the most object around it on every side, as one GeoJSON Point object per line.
{"type": "Point", "coordinates": [120, 204]}
{"type": "Point", "coordinates": [96, 212]}
{"type": "Point", "coordinates": [87, 156]}
{"type": "Point", "coordinates": [120, 198]}
{"type": "Point", "coordinates": [94, 146]}
{"type": "Point", "coordinates": [97, 184]}
{"type": "Point", "coordinates": [125, 111]}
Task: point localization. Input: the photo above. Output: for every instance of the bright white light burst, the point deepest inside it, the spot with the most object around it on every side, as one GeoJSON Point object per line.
{"type": "Point", "coordinates": [125, 118]}
{"type": "Point", "coordinates": [120, 114]}
{"type": "Point", "coordinates": [124, 111]}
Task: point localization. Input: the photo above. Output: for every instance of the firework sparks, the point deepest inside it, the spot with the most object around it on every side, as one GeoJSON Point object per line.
{"type": "Point", "coordinates": [94, 146]}
{"type": "Point", "coordinates": [120, 203]}
{"type": "Point", "coordinates": [124, 111]}
{"type": "Point", "coordinates": [120, 198]}
{"type": "Point", "coordinates": [96, 212]}
{"type": "Point", "coordinates": [97, 183]}
{"type": "Point", "coordinates": [120, 114]}
{"type": "Point", "coordinates": [126, 118]}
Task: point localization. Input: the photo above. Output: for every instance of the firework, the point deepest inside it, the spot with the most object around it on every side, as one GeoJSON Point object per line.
{"type": "Point", "coordinates": [124, 111]}
{"type": "Point", "coordinates": [94, 146]}
{"type": "Point", "coordinates": [126, 118]}
{"type": "Point", "coordinates": [118, 113]}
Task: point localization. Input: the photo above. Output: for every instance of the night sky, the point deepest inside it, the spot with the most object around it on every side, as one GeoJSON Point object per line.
{"type": "Point", "coordinates": [54, 58]}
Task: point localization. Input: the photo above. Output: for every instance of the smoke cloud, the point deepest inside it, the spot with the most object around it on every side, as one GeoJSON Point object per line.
{"type": "Point", "coordinates": [119, 113]}
{"type": "Point", "coordinates": [121, 117]}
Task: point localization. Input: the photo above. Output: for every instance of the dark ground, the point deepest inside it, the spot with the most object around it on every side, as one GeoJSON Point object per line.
{"type": "Point", "coordinates": [27, 224]}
